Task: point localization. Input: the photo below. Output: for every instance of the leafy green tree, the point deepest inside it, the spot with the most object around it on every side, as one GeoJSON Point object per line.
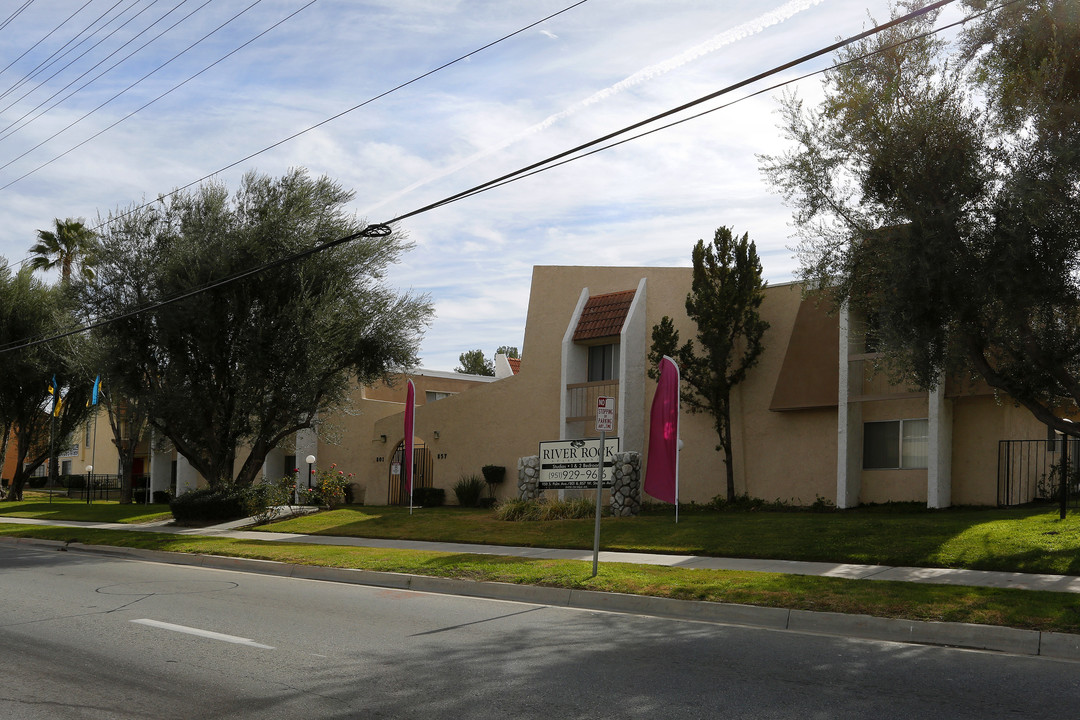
{"type": "Point", "coordinates": [509, 351]}
{"type": "Point", "coordinates": [30, 310]}
{"type": "Point", "coordinates": [725, 295]}
{"type": "Point", "coordinates": [937, 190]}
{"type": "Point", "coordinates": [68, 246]}
{"type": "Point", "coordinates": [473, 362]}
{"type": "Point", "coordinates": [248, 363]}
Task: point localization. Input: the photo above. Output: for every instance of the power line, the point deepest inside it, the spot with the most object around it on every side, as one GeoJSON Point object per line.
{"type": "Point", "coordinates": [90, 49]}
{"type": "Point", "coordinates": [17, 13]}
{"type": "Point", "coordinates": [294, 135]}
{"type": "Point", "coordinates": [56, 55]}
{"type": "Point", "coordinates": [47, 36]}
{"type": "Point", "coordinates": [129, 87]}
{"type": "Point", "coordinates": [340, 114]}
{"type": "Point", "coordinates": [383, 229]}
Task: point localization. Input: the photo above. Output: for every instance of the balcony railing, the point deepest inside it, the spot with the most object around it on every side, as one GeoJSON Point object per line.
{"type": "Point", "coordinates": [581, 398]}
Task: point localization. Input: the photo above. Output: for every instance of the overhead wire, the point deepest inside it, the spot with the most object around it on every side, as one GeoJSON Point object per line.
{"type": "Point", "coordinates": [129, 87]}
{"type": "Point", "coordinates": [368, 101]}
{"type": "Point", "coordinates": [307, 129]}
{"type": "Point", "coordinates": [4, 131]}
{"type": "Point", "coordinates": [64, 22]}
{"type": "Point", "coordinates": [384, 228]}
{"type": "Point", "coordinates": [18, 11]}
{"type": "Point", "coordinates": [57, 54]}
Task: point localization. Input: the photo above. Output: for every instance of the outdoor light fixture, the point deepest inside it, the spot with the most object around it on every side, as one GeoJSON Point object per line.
{"type": "Point", "coordinates": [383, 438]}
{"type": "Point", "coordinates": [89, 475]}
{"type": "Point", "coordinates": [436, 434]}
{"type": "Point", "coordinates": [310, 460]}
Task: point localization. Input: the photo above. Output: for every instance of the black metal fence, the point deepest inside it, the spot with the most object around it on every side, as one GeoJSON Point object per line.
{"type": "Point", "coordinates": [1031, 470]}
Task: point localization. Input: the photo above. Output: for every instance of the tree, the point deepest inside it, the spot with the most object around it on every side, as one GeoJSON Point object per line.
{"type": "Point", "coordinates": [509, 351]}
{"type": "Point", "coordinates": [250, 362]}
{"type": "Point", "coordinates": [30, 310]}
{"type": "Point", "coordinates": [725, 294]}
{"type": "Point", "coordinates": [937, 191]}
{"type": "Point", "coordinates": [68, 246]}
{"type": "Point", "coordinates": [473, 362]}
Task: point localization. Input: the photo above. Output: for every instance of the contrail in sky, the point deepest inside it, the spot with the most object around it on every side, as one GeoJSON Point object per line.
{"type": "Point", "coordinates": [752, 27]}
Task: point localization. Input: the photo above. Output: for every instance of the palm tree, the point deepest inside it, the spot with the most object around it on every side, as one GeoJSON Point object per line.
{"type": "Point", "coordinates": [69, 246]}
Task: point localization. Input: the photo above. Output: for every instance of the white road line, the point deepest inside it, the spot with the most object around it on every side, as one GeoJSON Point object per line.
{"type": "Point", "coordinates": [202, 633]}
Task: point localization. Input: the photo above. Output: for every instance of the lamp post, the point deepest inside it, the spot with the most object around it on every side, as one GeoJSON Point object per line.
{"type": "Point", "coordinates": [89, 482]}
{"type": "Point", "coordinates": [310, 460]}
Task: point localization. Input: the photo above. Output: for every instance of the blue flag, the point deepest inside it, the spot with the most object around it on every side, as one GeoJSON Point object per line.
{"type": "Point", "coordinates": [97, 387]}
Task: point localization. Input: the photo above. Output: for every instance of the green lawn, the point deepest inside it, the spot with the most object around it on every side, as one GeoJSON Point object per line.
{"type": "Point", "coordinates": [70, 509]}
{"type": "Point", "coordinates": [1018, 540]}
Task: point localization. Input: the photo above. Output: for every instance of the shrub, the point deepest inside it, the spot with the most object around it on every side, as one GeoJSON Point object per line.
{"type": "Point", "coordinates": [493, 474]}
{"type": "Point", "coordinates": [210, 504]}
{"type": "Point", "coordinates": [543, 509]}
{"type": "Point", "coordinates": [429, 497]}
{"type": "Point", "coordinates": [468, 490]}
{"type": "Point", "coordinates": [161, 497]}
{"type": "Point", "coordinates": [37, 482]}
{"type": "Point", "coordinates": [264, 501]}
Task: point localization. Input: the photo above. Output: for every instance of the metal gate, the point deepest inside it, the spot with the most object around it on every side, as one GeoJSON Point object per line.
{"type": "Point", "coordinates": [422, 467]}
{"type": "Point", "coordinates": [1030, 470]}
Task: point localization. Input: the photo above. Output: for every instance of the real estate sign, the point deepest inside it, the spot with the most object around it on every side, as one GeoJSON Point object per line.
{"type": "Point", "coordinates": [572, 464]}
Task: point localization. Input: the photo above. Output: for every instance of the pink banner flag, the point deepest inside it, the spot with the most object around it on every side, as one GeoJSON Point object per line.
{"type": "Point", "coordinates": [662, 471]}
{"type": "Point", "coordinates": [407, 460]}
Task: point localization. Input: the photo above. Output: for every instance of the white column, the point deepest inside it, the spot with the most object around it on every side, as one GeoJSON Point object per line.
{"type": "Point", "coordinates": [274, 466]}
{"type": "Point", "coordinates": [848, 427]}
{"type": "Point", "coordinates": [187, 479]}
{"type": "Point", "coordinates": [160, 467]}
{"type": "Point", "coordinates": [939, 453]}
{"type": "Point", "coordinates": [307, 443]}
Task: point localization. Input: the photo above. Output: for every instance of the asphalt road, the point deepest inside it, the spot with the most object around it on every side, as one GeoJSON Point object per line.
{"type": "Point", "coordinates": [84, 636]}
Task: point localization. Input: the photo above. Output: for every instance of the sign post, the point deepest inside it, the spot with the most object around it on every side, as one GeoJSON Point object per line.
{"type": "Point", "coordinates": [605, 421]}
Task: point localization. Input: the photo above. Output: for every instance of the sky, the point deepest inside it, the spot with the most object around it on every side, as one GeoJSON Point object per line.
{"type": "Point", "coordinates": [135, 106]}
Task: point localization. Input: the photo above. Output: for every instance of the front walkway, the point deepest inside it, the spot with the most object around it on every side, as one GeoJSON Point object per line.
{"type": "Point", "coordinates": [942, 576]}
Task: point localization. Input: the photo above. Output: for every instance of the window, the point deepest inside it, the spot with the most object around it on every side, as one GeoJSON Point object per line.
{"type": "Point", "coordinates": [896, 444]}
{"type": "Point", "coordinates": [603, 362]}
{"type": "Point", "coordinates": [433, 395]}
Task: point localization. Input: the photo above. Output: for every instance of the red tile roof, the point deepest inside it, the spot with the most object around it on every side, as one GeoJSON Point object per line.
{"type": "Point", "coordinates": [603, 315]}
{"type": "Point", "coordinates": [515, 365]}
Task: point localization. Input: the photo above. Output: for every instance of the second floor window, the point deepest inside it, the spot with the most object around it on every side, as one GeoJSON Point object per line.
{"type": "Point", "coordinates": [603, 362]}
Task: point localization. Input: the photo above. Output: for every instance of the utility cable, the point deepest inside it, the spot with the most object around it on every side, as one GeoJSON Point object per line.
{"type": "Point", "coordinates": [384, 229]}
{"type": "Point", "coordinates": [84, 53]}
{"type": "Point", "coordinates": [129, 87]}
{"type": "Point", "coordinates": [18, 11]}
{"type": "Point", "coordinates": [47, 36]}
{"type": "Point", "coordinates": [344, 112]}
{"type": "Point", "coordinates": [57, 54]}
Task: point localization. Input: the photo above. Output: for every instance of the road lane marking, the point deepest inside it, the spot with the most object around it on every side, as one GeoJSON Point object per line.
{"type": "Point", "coordinates": [202, 633]}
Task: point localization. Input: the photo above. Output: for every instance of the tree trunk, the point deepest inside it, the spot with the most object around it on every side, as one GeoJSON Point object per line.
{"type": "Point", "coordinates": [729, 466]}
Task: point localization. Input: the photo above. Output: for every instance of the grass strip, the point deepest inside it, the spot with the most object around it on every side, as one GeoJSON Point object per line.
{"type": "Point", "coordinates": [1031, 540]}
{"type": "Point", "coordinates": [1036, 610]}
{"type": "Point", "coordinates": [79, 510]}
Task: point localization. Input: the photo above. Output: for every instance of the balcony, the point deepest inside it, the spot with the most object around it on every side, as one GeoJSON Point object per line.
{"type": "Point", "coordinates": [581, 400]}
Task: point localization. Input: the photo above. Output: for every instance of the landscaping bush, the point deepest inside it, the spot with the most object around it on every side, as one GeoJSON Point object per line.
{"type": "Point", "coordinates": [468, 490]}
{"type": "Point", "coordinates": [161, 497]}
{"type": "Point", "coordinates": [429, 497]}
{"type": "Point", "coordinates": [211, 504]}
{"type": "Point", "coordinates": [37, 482]}
{"type": "Point", "coordinates": [543, 509]}
{"type": "Point", "coordinates": [493, 474]}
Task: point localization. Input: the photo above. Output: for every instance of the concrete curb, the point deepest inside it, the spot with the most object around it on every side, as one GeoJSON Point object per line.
{"type": "Point", "coordinates": [1059, 646]}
